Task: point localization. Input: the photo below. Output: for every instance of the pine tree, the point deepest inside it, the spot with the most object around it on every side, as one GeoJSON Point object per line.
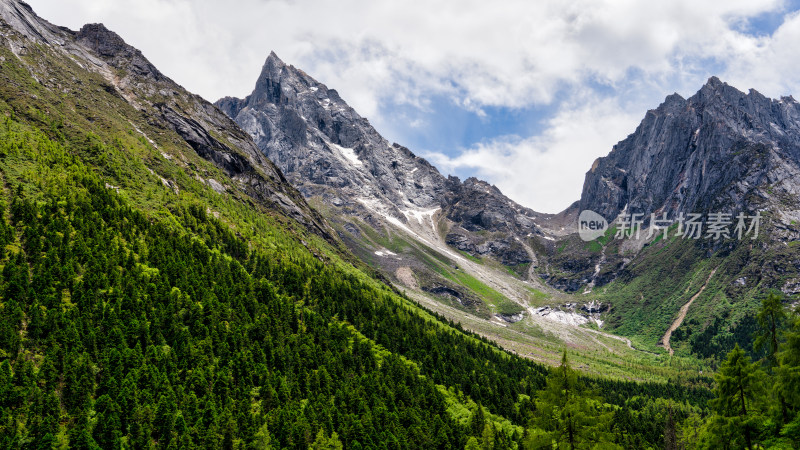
{"type": "Point", "coordinates": [323, 442]}
{"type": "Point", "coordinates": [570, 415]}
{"type": "Point", "coordinates": [738, 419]}
{"type": "Point", "coordinates": [472, 444]}
{"type": "Point", "coordinates": [670, 433]}
{"type": "Point", "coordinates": [262, 439]}
{"type": "Point", "coordinates": [7, 395]}
{"type": "Point", "coordinates": [771, 321]}
{"type": "Point", "coordinates": [107, 428]}
{"type": "Point", "coordinates": [787, 384]}
{"type": "Point", "coordinates": [477, 421]}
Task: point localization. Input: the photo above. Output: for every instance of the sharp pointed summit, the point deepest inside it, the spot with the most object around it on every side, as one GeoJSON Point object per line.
{"type": "Point", "coordinates": [334, 156]}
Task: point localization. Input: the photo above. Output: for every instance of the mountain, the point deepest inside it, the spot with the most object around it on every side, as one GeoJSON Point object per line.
{"type": "Point", "coordinates": [325, 146]}
{"type": "Point", "coordinates": [433, 235]}
{"type": "Point", "coordinates": [720, 149]}
{"type": "Point", "coordinates": [328, 151]}
{"type": "Point", "coordinates": [128, 75]}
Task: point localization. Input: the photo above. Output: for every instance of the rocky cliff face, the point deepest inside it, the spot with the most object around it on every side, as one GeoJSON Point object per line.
{"type": "Point", "coordinates": [129, 75]}
{"type": "Point", "coordinates": [720, 149]}
{"type": "Point", "coordinates": [322, 143]}
{"type": "Point", "coordinates": [328, 151]}
{"type": "Point", "coordinates": [477, 207]}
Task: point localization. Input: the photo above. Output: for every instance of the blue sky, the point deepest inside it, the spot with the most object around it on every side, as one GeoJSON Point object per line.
{"type": "Point", "coordinates": [522, 94]}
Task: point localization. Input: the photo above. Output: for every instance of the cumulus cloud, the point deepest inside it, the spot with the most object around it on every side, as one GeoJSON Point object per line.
{"type": "Point", "coordinates": [513, 53]}
{"type": "Point", "coordinates": [547, 171]}
{"type": "Point", "coordinates": [771, 63]}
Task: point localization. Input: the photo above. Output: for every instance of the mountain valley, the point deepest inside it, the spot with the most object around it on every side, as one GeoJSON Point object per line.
{"type": "Point", "coordinates": [270, 272]}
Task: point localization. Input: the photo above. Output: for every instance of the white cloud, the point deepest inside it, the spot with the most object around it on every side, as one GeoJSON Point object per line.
{"type": "Point", "coordinates": [546, 172]}
{"type": "Point", "coordinates": [513, 53]}
{"type": "Point", "coordinates": [771, 64]}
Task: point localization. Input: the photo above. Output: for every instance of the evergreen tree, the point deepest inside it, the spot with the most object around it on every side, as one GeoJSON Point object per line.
{"type": "Point", "coordinates": [569, 415]}
{"type": "Point", "coordinates": [262, 440]}
{"type": "Point", "coordinates": [325, 442]}
{"type": "Point", "coordinates": [787, 385]}
{"type": "Point", "coordinates": [472, 444]}
{"type": "Point", "coordinates": [107, 427]}
{"type": "Point", "coordinates": [771, 321]}
{"type": "Point", "coordinates": [670, 432]}
{"type": "Point", "coordinates": [738, 416]}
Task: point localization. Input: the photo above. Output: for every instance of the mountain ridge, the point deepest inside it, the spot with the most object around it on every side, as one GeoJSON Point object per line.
{"type": "Point", "coordinates": [705, 147]}
{"type": "Point", "coordinates": [163, 286]}
{"type": "Point", "coordinates": [146, 89]}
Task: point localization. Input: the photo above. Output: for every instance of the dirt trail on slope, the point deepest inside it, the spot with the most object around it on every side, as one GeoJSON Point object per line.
{"type": "Point", "coordinates": [682, 315]}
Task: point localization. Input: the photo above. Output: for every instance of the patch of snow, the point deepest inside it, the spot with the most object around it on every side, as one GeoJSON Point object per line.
{"type": "Point", "coordinates": [313, 89]}
{"type": "Point", "coordinates": [567, 318]}
{"type": "Point", "coordinates": [550, 238]}
{"type": "Point", "coordinates": [420, 215]}
{"type": "Point", "coordinates": [377, 207]}
{"type": "Point", "coordinates": [396, 222]}
{"type": "Point", "coordinates": [349, 154]}
{"type": "Point", "coordinates": [385, 253]}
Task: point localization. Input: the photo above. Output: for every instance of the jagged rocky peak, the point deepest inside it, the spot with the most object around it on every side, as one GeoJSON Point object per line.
{"type": "Point", "coordinates": [717, 149]}
{"type": "Point", "coordinates": [112, 48]}
{"type": "Point", "coordinates": [327, 150]}
{"type": "Point", "coordinates": [320, 142]}
{"type": "Point", "coordinates": [276, 75]}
